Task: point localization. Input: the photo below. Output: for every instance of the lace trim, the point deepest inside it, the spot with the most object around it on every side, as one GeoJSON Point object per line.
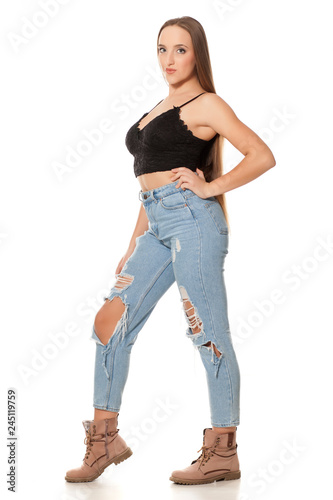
{"type": "Point", "coordinates": [180, 120]}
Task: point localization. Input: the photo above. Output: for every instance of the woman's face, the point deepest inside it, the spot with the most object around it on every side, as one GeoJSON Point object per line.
{"type": "Point", "coordinates": [175, 52]}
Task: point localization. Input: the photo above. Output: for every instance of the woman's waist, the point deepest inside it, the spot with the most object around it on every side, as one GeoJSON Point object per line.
{"type": "Point", "coordinates": [154, 180]}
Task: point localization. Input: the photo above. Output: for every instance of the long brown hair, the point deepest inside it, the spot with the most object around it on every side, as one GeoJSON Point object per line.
{"type": "Point", "coordinates": [205, 76]}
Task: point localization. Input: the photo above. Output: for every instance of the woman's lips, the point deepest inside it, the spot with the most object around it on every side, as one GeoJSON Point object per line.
{"type": "Point", "coordinates": [170, 71]}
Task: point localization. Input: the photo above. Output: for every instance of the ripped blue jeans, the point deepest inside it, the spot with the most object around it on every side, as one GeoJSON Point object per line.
{"type": "Point", "coordinates": [186, 242]}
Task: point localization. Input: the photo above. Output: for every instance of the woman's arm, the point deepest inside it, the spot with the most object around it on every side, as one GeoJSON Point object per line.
{"type": "Point", "coordinates": [258, 157]}
{"type": "Point", "coordinates": [141, 226]}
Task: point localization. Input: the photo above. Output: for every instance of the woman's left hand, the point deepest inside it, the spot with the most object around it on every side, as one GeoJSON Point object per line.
{"type": "Point", "coordinates": [190, 180]}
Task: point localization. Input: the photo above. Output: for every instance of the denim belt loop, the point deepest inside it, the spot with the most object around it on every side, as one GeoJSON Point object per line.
{"type": "Point", "coordinates": [142, 196]}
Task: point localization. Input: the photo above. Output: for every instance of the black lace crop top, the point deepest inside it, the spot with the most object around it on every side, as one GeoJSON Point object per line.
{"type": "Point", "coordinates": [166, 143]}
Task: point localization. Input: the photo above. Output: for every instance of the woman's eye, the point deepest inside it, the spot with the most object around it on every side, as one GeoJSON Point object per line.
{"type": "Point", "coordinates": [162, 49]}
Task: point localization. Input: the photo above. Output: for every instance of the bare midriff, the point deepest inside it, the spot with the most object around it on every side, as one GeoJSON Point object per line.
{"type": "Point", "coordinates": [155, 180]}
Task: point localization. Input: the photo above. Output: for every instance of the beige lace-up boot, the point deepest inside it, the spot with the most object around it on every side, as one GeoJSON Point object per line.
{"type": "Point", "coordinates": [104, 447]}
{"type": "Point", "coordinates": [218, 461]}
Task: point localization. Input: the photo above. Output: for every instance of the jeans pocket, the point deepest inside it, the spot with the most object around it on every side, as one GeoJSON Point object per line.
{"type": "Point", "coordinates": [215, 211]}
{"type": "Point", "coordinates": [173, 201]}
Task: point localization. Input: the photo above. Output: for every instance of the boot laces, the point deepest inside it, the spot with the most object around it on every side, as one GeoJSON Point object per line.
{"type": "Point", "coordinates": [206, 453]}
{"type": "Point", "coordinates": [89, 441]}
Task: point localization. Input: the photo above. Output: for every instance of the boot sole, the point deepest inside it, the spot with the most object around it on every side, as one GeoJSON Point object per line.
{"type": "Point", "coordinates": [115, 460]}
{"type": "Point", "coordinates": [227, 476]}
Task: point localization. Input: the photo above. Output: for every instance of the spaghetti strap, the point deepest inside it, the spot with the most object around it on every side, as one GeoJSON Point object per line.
{"type": "Point", "coordinates": [155, 106]}
{"type": "Point", "coordinates": [177, 106]}
{"type": "Point", "coordinates": [191, 100]}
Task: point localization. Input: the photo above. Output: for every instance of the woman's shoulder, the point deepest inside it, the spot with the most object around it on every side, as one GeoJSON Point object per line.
{"type": "Point", "coordinates": [212, 99]}
{"type": "Point", "coordinates": [215, 104]}
{"type": "Point", "coordinates": [214, 110]}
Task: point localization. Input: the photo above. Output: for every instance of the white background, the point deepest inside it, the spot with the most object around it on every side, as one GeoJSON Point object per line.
{"type": "Point", "coordinates": [61, 239]}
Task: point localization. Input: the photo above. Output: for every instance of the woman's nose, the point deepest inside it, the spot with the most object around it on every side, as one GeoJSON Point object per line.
{"type": "Point", "coordinates": [170, 59]}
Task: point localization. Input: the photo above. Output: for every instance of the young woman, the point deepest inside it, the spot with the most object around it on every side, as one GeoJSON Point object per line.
{"type": "Point", "coordinates": [181, 235]}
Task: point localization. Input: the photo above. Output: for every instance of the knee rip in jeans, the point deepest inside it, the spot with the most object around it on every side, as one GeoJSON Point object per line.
{"type": "Point", "coordinates": [118, 333]}
{"type": "Point", "coordinates": [194, 320]}
{"type": "Point", "coordinates": [103, 318]}
{"type": "Point", "coordinates": [103, 321]}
